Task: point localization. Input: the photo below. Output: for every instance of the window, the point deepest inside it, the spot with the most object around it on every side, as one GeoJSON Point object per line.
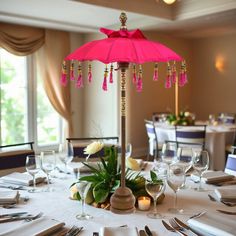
{"type": "Point", "coordinates": [25, 113]}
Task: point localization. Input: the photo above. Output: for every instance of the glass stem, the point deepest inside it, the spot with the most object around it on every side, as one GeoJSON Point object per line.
{"type": "Point", "coordinates": [154, 205]}
{"type": "Point", "coordinates": [82, 208]}
{"type": "Point", "coordinates": [200, 183]}
{"type": "Point", "coordinates": [48, 180]}
{"type": "Point", "coordinates": [34, 184]}
{"type": "Point", "coordinates": [184, 184]}
{"type": "Point", "coordinates": [175, 200]}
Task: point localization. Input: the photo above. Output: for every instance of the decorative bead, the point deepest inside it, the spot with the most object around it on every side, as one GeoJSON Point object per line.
{"type": "Point", "coordinates": [173, 77]}
{"type": "Point", "coordinates": [79, 82]}
{"type": "Point", "coordinates": [183, 75]}
{"type": "Point", "coordinates": [89, 73]}
{"type": "Point", "coordinates": [63, 80]}
{"type": "Point", "coordinates": [155, 75]}
{"type": "Point", "coordinates": [140, 82]}
{"type": "Point", "coordinates": [134, 74]}
{"type": "Point", "coordinates": [72, 71]}
{"type": "Point", "coordinates": [168, 78]}
{"type": "Point", "coordinates": [104, 84]}
{"type": "Point", "coordinates": [111, 74]}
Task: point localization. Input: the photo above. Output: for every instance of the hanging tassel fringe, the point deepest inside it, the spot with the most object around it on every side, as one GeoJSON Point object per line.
{"type": "Point", "coordinates": [155, 75]}
{"type": "Point", "coordinates": [72, 77]}
{"type": "Point", "coordinates": [111, 74]}
{"type": "Point", "coordinates": [169, 76]}
{"type": "Point", "coordinates": [89, 73]}
{"type": "Point", "coordinates": [104, 84]}
{"type": "Point", "coordinates": [173, 77]}
{"type": "Point", "coordinates": [183, 74]}
{"type": "Point", "coordinates": [63, 80]}
{"type": "Point", "coordinates": [134, 74]}
{"type": "Point", "coordinates": [140, 82]}
{"type": "Point", "coordinates": [79, 83]}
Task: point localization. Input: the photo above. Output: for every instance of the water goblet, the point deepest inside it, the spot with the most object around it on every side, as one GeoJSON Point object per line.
{"type": "Point", "coordinates": [66, 154]}
{"type": "Point", "coordinates": [48, 162]}
{"type": "Point", "coordinates": [200, 164]}
{"type": "Point", "coordinates": [83, 188]}
{"type": "Point", "coordinates": [175, 180]}
{"type": "Point", "coordinates": [169, 152]}
{"type": "Point", "coordinates": [32, 165]}
{"type": "Point", "coordinates": [155, 187]}
{"type": "Point", "coordinates": [185, 159]}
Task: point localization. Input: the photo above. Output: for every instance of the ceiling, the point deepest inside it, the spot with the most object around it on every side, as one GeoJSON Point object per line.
{"type": "Point", "coordinates": [185, 18]}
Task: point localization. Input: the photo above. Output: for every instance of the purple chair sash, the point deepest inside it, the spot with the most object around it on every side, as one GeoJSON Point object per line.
{"type": "Point", "coordinates": [231, 163]}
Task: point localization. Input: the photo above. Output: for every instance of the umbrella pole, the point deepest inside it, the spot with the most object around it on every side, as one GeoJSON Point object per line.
{"type": "Point", "coordinates": [177, 96]}
{"type": "Point", "coordinates": [122, 201]}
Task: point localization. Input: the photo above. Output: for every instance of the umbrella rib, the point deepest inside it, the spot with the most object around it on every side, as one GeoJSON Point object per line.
{"type": "Point", "coordinates": [109, 52]}
{"type": "Point", "coordinates": [132, 43]}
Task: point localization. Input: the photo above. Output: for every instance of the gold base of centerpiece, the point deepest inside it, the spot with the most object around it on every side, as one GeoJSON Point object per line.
{"type": "Point", "coordinates": [122, 201]}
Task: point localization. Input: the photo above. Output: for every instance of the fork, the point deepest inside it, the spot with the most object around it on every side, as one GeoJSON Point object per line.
{"type": "Point", "coordinates": [170, 228]}
{"type": "Point", "coordinates": [74, 231]}
{"type": "Point", "coordinates": [30, 218]}
{"type": "Point", "coordinates": [175, 225]}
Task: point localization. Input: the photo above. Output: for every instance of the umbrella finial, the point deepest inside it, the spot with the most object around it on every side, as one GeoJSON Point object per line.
{"type": "Point", "coordinates": [123, 19]}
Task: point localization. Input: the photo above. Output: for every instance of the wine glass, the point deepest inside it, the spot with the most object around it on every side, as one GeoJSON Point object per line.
{"type": "Point", "coordinates": [169, 152]}
{"type": "Point", "coordinates": [155, 188]}
{"type": "Point", "coordinates": [48, 162]}
{"type": "Point", "coordinates": [185, 159]}
{"type": "Point", "coordinates": [175, 180]}
{"type": "Point", "coordinates": [66, 154]}
{"type": "Point", "coordinates": [32, 165]}
{"type": "Point", "coordinates": [83, 188]}
{"type": "Point", "coordinates": [200, 164]}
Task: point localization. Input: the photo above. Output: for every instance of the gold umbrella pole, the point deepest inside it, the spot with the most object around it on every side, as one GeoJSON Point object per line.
{"type": "Point", "coordinates": [177, 96]}
{"type": "Point", "coordinates": [123, 200]}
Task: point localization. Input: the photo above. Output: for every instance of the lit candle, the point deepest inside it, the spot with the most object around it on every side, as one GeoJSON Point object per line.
{"type": "Point", "coordinates": [144, 203]}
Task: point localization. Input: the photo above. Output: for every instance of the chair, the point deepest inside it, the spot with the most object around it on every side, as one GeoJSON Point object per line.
{"type": "Point", "coordinates": [159, 116]}
{"type": "Point", "coordinates": [191, 134]}
{"type": "Point", "coordinates": [152, 139]}
{"type": "Point", "coordinates": [79, 144]}
{"type": "Point", "coordinates": [227, 118]}
{"type": "Point", "coordinates": [230, 167]}
{"type": "Point", "coordinates": [14, 155]}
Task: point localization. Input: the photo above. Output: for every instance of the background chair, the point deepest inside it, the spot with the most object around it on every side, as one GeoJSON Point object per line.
{"type": "Point", "coordinates": [14, 156]}
{"type": "Point", "coordinates": [230, 167]}
{"type": "Point", "coordinates": [226, 118]}
{"type": "Point", "coordinates": [191, 134]}
{"type": "Point", "coordinates": [79, 144]}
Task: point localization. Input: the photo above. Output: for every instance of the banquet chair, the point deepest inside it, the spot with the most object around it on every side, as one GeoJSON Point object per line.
{"type": "Point", "coordinates": [79, 144]}
{"type": "Point", "coordinates": [191, 134]}
{"type": "Point", "coordinates": [13, 157]}
{"type": "Point", "coordinates": [153, 148]}
{"type": "Point", "coordinates": [230, 167]}
{"type": "Point", "coordinates": [227, 118]}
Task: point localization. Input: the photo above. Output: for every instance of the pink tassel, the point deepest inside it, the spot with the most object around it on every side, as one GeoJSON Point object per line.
{"type": "Point", "coordinates": [155, 75]}
{"type": "Point", "coordinates": [173, 77]}
{"type": "Point", "coordinates": [63, 80]}
{"type": "Point", "coordinates": [72, 77]}
{"type": "Point", "coordinates": [134, 74]}
{"type": "Point", "coordinates": [183, 75]}
{"type": "Point", "coordinates": [169, 77]}
{"type": "Point", "coordinates": [111, 74]}
{"type": "Point", "coordinates": [89, 73]}
{"type": "Point", "coordinates": [140, 82]}
{"type": "Point", "coordinates": [79, 83]}
{"type": "Point", "coordinates": [104, 84]}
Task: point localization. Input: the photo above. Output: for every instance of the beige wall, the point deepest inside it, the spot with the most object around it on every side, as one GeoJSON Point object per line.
{"type": "Point", "coordinates": [213, 91]}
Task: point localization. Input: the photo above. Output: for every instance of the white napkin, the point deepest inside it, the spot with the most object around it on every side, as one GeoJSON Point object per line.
{"type": "Point", "coordinates": [9, 196]}
{"type": "Point", "coordinates": [213, 224]}
{"type": "Point", "coordinates": [212, 177]}
{"type": "Point", "coordinates": [41, 227]}
{"type": "Point", "coordinates": [226, 194]}
{"type": "Point", "coordinates": [21, 179]}
{"type": "Point", "coordinates": [118, 231]}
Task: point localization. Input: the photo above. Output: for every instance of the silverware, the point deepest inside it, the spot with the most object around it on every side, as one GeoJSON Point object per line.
{"type": "Point", "coordinates": [197, 215]}
{"type": "Point", "coordinates": [13, 214]}
{"type": "Point", "coordinates": [14, 187]}
{"type": "Point", "coordinates": [142, 233]}
{"type": "Point", "coordinates": [16, 218]}
{"type": "Point", "coordinates": [230, 204]}
{"type": "Point", "coordinates": [8, 205]}
{"type": "Point", "coordinates": [95, 234]}
{"type": "Point", "coordinates": [74, 231]}
{"type": "Point", "coordinates": [227, 212]}
{"type": "Point", "coordinates": [148, 231]}
{"type": "Point", "coordinates": [170, 228]}
{"type": "Point", "coordinates": [183, 225]}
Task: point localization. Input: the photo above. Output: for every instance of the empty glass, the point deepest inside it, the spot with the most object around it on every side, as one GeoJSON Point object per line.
{"type": "Point", "coordinates": [175, 180]}
{"type": "Point", "coordinates": [66, 154]}
{"type": "Point", "coordinates": [83, 188]}
{"type": "Point", "coordinates": [48, 162]}
{"type": "Point", "coordinates": [32, 165]}
{"type": "Point", "coordinates": [169, 152]}
{"type": "Point", "coordinates": [200, 164]}
{"type": "Point", "coordinates": [155, 188]}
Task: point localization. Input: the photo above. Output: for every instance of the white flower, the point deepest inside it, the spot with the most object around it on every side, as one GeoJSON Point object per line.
{"type": "Point", "coordinates": [186, 114]}
{"type": "Point", "coordinates": [132, 163]}
{"type": "Point", "coordinates": [93, 148]}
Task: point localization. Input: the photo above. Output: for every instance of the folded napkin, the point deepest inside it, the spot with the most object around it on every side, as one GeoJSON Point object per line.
{"type": "Point", "coordinates": [118, 231]}
{"type": "Point", "coordinates": [43, 226]}
{"type": "Point", "coordinates": [9, 196]}
{"type": "Point", "coordinates": [213, 224]}
{"type": "Point", "coordinates": [226, 194]}
{"type": "Point", "coordinates": [21, 179]}
{"type": "Point", "coordinates": [213, 177]}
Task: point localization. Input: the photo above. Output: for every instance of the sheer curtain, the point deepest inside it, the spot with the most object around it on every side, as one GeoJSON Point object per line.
{"type": "Point", "coordinates": [51, 47]}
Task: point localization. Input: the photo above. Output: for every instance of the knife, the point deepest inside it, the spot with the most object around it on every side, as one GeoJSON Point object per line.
{"type": "Point", "coordinates": [182, 224]}
{"type": "Point", "coordinates": [148, 231]}
{"type": "Point", "coordinates": [13, 214]}
{"type": "Point", "coordinates": [142, 233]}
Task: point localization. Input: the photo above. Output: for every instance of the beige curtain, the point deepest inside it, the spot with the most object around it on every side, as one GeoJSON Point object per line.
{"type": "Point", "coordinates": [21, 40]}
{"type": "Point", "coordinates": [50, 58]}
{"type": "Point", "coordinates": [53, 47]}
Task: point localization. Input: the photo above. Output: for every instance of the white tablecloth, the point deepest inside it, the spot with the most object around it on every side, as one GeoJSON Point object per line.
{"type": "Point", "coordinates": [217, 138]}
{"type": "Point", "coordinates": [57, 205]}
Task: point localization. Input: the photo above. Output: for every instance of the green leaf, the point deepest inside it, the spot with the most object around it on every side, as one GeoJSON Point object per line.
{"type": "Point", "coordinates": [153, 176]}
{"type": "Point", "coordinates": [115, 186]}
{"type": "Point", "coordinates": [101, 192]}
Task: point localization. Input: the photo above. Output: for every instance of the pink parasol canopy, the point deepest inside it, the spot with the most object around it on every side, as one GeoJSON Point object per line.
{"type": "Point", "coordinates": [124, 46]}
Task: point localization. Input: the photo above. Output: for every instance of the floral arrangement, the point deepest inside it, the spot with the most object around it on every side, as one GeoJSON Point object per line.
{"type": "Point", "coordinates": [105, 178]}
{"type": "Point", "coordinates": [183, 118]}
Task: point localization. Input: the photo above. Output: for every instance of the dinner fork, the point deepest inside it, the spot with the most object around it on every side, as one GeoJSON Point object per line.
{"type": "Point", "coordinates": [74, 231]}
{"type": "Point", "coordinates": [30, 218]}
{"type": "Point", "coordinates": [170, 228]}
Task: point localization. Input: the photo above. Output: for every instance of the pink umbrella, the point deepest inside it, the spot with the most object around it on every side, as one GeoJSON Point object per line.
{"type": "Point", "coordinates": [124, 47]}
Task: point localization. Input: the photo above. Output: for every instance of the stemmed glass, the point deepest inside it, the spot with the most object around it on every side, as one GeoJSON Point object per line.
{"type": "Point", "coordinates": [200, 164]}
{"type": "Point", "coordinates": [169, 152]}
{"type": "Point", "coordinates": [32, 165]}
{"type": "Point", "coordinates": [155, 187]}
{"type": "Point", "coordinates": [48, 162]}
{"type": "Point", "coordinates": [185, 159]}
{"type": "Point", "coordinates": [175, 180]}
{"type": "Point", "coordinates": [66, 154]}
{"type": "Point", "coordinates": [83, 188]}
